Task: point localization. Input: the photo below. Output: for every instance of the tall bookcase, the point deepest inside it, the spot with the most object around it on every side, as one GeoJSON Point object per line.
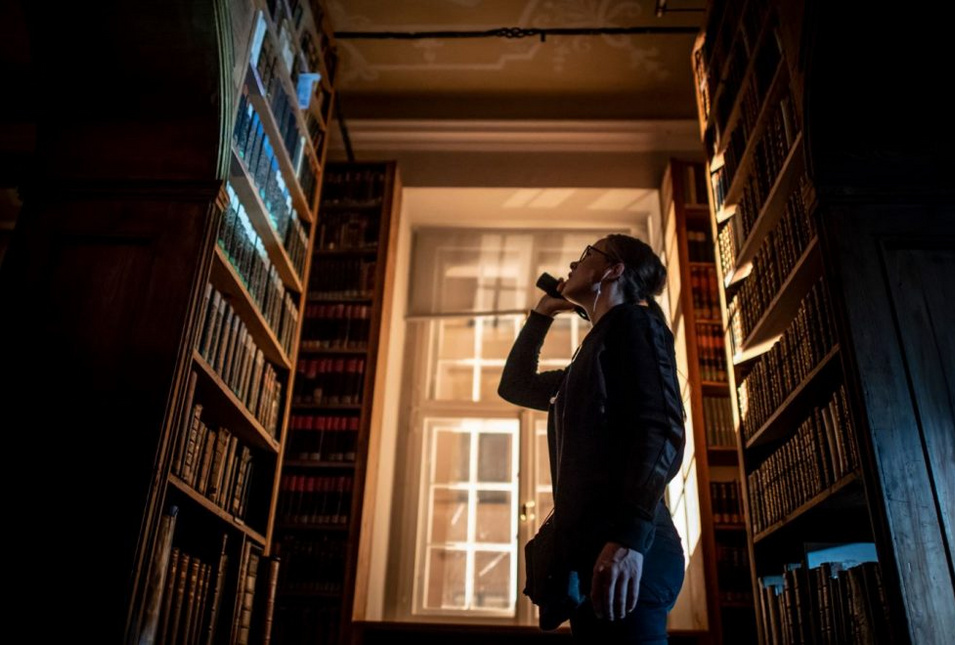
{"type": "Point", "coordinates": [333, 406]}
{"type": "Point", "coordinates": [819, 496]}
{"type": "Point", "coordinates": [207, 569]}
{"type": "Point", "coordinates": [695, 319]}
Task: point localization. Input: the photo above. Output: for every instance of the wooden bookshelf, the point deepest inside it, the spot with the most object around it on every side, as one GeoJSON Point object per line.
{"type": "Point", "coordinates": [224, 278]}
{"type": "Point", "coordinates": [843, 298]}
{"type": "Point", "coordinates": [262, 222]}
{"type": "Point", "coordinates": [384, 210]}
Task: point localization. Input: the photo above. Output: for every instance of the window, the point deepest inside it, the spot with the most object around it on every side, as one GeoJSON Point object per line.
{"type": "Point", "coordinates": [478, 464]}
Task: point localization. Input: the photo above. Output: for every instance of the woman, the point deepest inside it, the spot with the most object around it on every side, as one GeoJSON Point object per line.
{"type": "Point", "coordinates": [615, 437]}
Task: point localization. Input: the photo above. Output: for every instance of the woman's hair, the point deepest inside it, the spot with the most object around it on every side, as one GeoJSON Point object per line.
{"type": "Point", "coordinates": [644, 275]}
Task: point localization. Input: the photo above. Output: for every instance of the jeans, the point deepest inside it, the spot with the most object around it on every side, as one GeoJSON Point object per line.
{"type": "Point", "coordinates": [659, 586]}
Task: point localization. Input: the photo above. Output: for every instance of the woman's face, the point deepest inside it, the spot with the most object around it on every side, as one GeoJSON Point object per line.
{"type": "Point", "coordinates": [587, 272]}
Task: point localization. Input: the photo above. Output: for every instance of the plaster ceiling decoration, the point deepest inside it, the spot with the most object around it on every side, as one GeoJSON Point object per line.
{"type": "Point", "coordinates": [579, 76]}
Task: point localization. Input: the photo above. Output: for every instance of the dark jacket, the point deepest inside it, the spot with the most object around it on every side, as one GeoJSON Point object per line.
{"type": "Point", "coordinates": [615, 427]}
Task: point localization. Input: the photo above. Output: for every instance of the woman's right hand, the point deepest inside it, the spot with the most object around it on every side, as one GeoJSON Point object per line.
{"type": "Point", "coordinates": [550, 306]}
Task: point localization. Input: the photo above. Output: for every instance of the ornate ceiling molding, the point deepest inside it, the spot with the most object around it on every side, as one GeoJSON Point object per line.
{"type": "Point", "coordinates": [676, 135]}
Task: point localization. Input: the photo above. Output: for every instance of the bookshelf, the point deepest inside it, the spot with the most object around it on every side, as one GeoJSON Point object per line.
{"type": "Point", "coordinates": [695, 312]}
{"type": "Point", "coordinates": [209, 567]}
{"type": "Point", "coordinates": [333, 405]}
{"type": "Point", "coordinates": [794, 209]}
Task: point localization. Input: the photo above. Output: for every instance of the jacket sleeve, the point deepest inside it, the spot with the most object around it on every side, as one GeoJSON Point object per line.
{"type": "Point", "coordinates": [644, 413]}
{"type": "Point", "coordinates": [521, 384]}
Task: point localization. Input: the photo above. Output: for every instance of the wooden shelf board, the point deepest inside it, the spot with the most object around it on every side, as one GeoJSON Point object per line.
{"type": "Point", "coordinates": [207, 504]}
{"type": "Point", "coordinates": [264, 110]}
{"type": "Point", "coordinates": [831, 497]}
{"type": "Point", "coordinates": [784, 418]}
{"type": "Point", "coordinates": [729, 527]}
{"type": "Point", "coordinates": [783, 307]}
{"type": "Point", "coordinates": [326, 406]}
{"type": "Point", "coordinates": [308, 463]}
{"type": "Point", "coordinates": [771, 211]}
{"type": "Point", "coordinates": [770, 102]}
{"type": "Point", "coordinates": [230, 411]}
{"type": "Point", "coordinates": [248, 194]}
{"type": "Point", "coordinates": [722, 456]}
{"type": "Point", "coordinates": [225, 278]}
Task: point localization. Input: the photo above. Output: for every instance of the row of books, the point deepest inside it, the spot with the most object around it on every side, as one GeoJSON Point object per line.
{"type": "Point", "coordinates": [322, 438]}
{"type": "Point", "coordinates": [246, 252]}
{"type": "Point", "coordinates": [699, 247]}
{"type": "Point", "coordinates": [718, 418]}
{"type": "Point", "coordinates": [694, 185]}
{"type": "Point", "coordinates": [336, 326]}
{"type": "Point", "coordinates": [793, 233]}
{"type": "Point", "coordinates": [315, 500]}
{"type": "Point", "coordinates": [820, 453]}
{"type": "Point", "coordinates": [329, 381]}
{"type": "Point", "coordinates": [212, 462]}
{"type": "Point", "coordinates": [272, 61]}
{"type": "Point", "coordinates": [348, 230]}
{"type": "Point", "coordinates": [719, 32]}
{"type": "Point", "coordinates": [353, 187]}
{"type": "Point", "coordinates": [229, 349]}
{"type": "Point", "coordinates": [725, 498]}
{"type": "Point", "coordinates": [732, 571]}
{"type": "Point", "coordinates": [333, 278]}
{"type": "Point", "coordinates": [192, 598]}
{"type": "Point", "coordinates": [706, 297]}
{"type": "Point", "coordinates": [778, 372]}
{"type": "Point", "coordinates": [711, 352]}
{"type": "Point", "coordinates": [831, 604]}
{"type": "Point", "coordinates": [257, 153]}
{"type": "Point", "coordinates": [313, 565]}
{"type": "Point", "coordinates": [772, 266]}
{"type": "Point", "coordinates": [754, 94]}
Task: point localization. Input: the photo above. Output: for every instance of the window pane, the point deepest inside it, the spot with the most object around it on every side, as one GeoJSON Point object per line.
{"type": "Point", "coordinates": [490, 381]}
{"type": "Point", "coordinates": [494, 457]}
{"type": "Point", "coordinates": [495, 512]}
{"type": "Point", "coordinates": [558, 344]}
{"type": "Point", "coordinates": [455, 338]}
{"type": "Point", "coordinates": [497, 337]}
{"type": "Point", "coordinates": [449, 516]}
{"type": "Point", "coordinates": [453, 382]}
{"type": "Point", "coordinates": [452, 457]}
{"type": "Point", "coordinates": [445, 586]}
{"type": "Point", "coordinates": [493, 588]}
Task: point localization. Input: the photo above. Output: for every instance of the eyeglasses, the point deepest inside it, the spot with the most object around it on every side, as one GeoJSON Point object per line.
{"type": "Point", "coordinates": [589, 248]}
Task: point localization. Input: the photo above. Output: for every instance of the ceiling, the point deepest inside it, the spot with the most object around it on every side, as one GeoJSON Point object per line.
{"type": "Point", "coordinates": [580, 77]}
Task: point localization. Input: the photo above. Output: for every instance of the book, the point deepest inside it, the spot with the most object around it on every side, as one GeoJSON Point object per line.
{"type": "Point", "coordinates": [217, 590]}
{"type": "Point", "coordinates": [158, 570]}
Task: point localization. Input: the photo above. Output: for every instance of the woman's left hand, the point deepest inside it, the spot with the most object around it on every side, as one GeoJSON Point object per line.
{"type": "Point", "coordinates": [616, 582]}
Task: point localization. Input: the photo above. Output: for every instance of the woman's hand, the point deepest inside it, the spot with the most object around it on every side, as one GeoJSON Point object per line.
{"type": "Point", "coordinates": [550, 306]}
{"type": "Point", "coordinates": [615, 586]}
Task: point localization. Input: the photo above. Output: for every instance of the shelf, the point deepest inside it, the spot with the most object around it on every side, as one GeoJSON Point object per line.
{"type": "Point", "coordinates": [346, 252]}
{"type": "Point", "coordinates": [711, 264]}
{"type": "Point", "coordinates": [326, 406]}
{"type": "Point", "coordinates": [730, 527]}
{"type": "Point", "coordinates": [205, 503]}
{"type": "Point", "coordinates": [725, 213]}
{"type": "Point", "coordinates": [696, 210]}
{"type": "Point", "coordinates": [225, 278]}
{"type": "Point", "coordinates": [844, 493]}
{"type": "Point", "coordinates": [708, 321]}
{"type": "Point", "coordinates": [722, 456]}
{"type": "Point", "coordinates": [308, 463]}
{"type": "Point", "coordinates": [784, 419]}
{"type": "Point", "coordinates": [715, 387]}
{"type": "Point", "coordinates": [783, 307]}
{"type": "Point", "coordinates": [351, 205]}
{"type": "Point", "coordinates": [303, 349]}
{"type": "Point", "coordinates": [771, 211]}
{"type": "Point", "coordinates": [264, 110]}
{"type": "Point", "coordinates": [248, 194]}
{"type": "Point", "coordinates": [229, 410]}
{"type": "Point", "coordinates": [320, 297]}
{"type": "Point", "coordinates": [744, 85]}
{"type": "Point", "coordinates": [312, 527]}
{"type": "Point", "coordinates": [770, 102]}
